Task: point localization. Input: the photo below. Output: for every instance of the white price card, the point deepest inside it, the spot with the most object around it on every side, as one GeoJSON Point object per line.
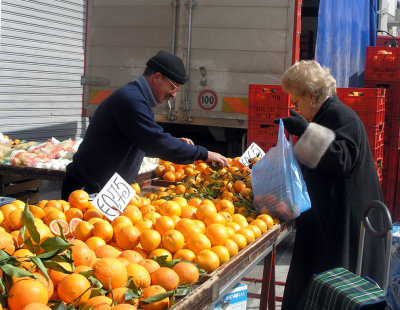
{"type": "Point", "coordinates": [252, 151]}
{"type": "Point", "coordinates": [114, 197]}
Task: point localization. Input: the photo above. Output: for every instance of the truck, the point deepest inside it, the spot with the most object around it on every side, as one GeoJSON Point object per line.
{"type": "Point", "coordinates": [225, 45]}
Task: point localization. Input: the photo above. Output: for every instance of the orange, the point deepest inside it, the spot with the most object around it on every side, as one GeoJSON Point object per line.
{"type": "Point", "coordinates": [92, 213]}
{"type": "Point", "coordinates": [94, 242]}
{"type": "Point", "coordinates": [257, 231]}
{"type": "Point", "coordinates": [132, 256]}
{"type": "Point", "coordinates": [48, 284]}
{"type": "Point", "coordinates": [232, 247]}
{"type": "Point", "coordinates": [26, 291]}
{"type": "Point", "coordinates": [201, 225]}
{"type": "Point", "coordinates": [133, 213]}
{"type": "Point", "coordinates": [118, 294]}
{"type": "Point", "coordinates": [79, 199]}
{"type": "Point", "coordinates": [263, 226]}
{"type": "Point", "coordinates": [73, 286]}
{"type": "Point", "coordinates": [147, 209]}
{"type": "Point", "coordinates": [205, 209]}
{"type": "Point", "coordinates": [99, 303]}
{"type": "Point", "coordinates": [240, 240]}
{"type": "Point", "coordinates": [83, 230]}
{"type": "Point", "coordinates": [150, 264]}
{"type": "Point", "coordinates": [7, 209]}
{"type": "Point", "coordinates": [240, 219]}
{"type": "Point", "coordinates": [107, 250]}
{"type": "Point", "coordinates": [163, 224]}
{"type": "Point", "coordinates": [198, 242]}
{"type": "Point", "coordinates": [170, 207]}
{"type": "Point", "coordinates": [57, 275]}
{"type": "Point", "coordinates": [225, 205]}
{"type": "Point", "coordinates": [152, 216]}
{"type": "Point", "coordinates": [222, 252]}
{"type": "Point", "coordinates": [72, 213]}
{"type": "Point", "coordinates": [13, 221]}
{"type": "Point", "coordinates": [127, 237]}
{"type": "Point", "coordinates": [189, 212]}
{"type": "Point", "coordinates": [34, 306]}
{"type": "Point", "coordinates": [140, 275]}
{"type": "Point", "coordinates": [207, 260]}
{"type": "Point", "coordinates": [180, 188]}
{"type": "Point", "coordinates": [22, 255]}
{"type": "Point", "coordinates": [239, 185]}
{"type": "Point", "coordinates": [248, 233]}
{"type": "Point", "coordinates": [104, 230]}
{"type": "Point", "coordinates": [173, 240]}
{"type": "Point", "coordinates": [121, 219]}
{"type": "Point", "coordinates": [36, 211]}
{"type": "Point", "coordinates": [187, 227]}
{"type": "Point", "coordinates": [185, 254]}
{"type": "Point", "coordinates": [214, 218]}
{"type": "Point", "coordinates": [136, 187]}
{"type": "Point", "coordinates": [152, 291]}
{"type": "Point", "coordinates": [159, 171]}
{"type": "Point", "coordinates": [217, 234]}
{"type": "Point", "coordinates": [161, 252]}
{"type": "Point", "coordinates": [165, 277]}
{"type": "Point", "coordinates": [195, 201]}
{"type": "Point", "coordinates": [55, 227]}
{"type": "Point", "coordinates": [267, 219]}
{"type": "Point", "coordinates": [235, 226]}
{"type": "Point", "coordinates": [55, 204]}
{"type": "Point", "coordinates": [117, 228]}
{"type": "Point", "coordinates": [19, 204]}
{"type": "Point", "coordinates": [124, 307]}
{"type": "Point", "coordinates": [82, 255]}
{"type": "Point", "coordinates": [72, 224]}
{"type": "Point", "coordinates": [144, 224]}
{"type": "Point", "coordinates": [7, 242]}
{"type": "Point", "coordinates": [181, 200]}
{"type": "Point", "coordinates": [140, 251]}
{"type": "Point", "coordinates": [82, 268]}
{"type": "Point", "coordinates": [150, 240]}
{"type": "Point", "coordinates": [187, 272]}
{"type": "Point", "coordinates": [110, 271]}
{"type": "Point", "coordinates": [135, 201]}
{"type": "Point", "coordinates": [169, 176]}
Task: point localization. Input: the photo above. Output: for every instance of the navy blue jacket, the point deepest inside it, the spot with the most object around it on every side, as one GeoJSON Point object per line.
{"type": "Point", "coordinates": [120, 133]}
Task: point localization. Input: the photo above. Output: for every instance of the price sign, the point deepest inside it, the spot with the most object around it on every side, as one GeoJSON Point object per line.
{"type": "Point", "coordinates": [207, 100]}
{"type": "Point", "coordinates": [252, 151]}
{"type": "Point", "coordinates": [114, 197]}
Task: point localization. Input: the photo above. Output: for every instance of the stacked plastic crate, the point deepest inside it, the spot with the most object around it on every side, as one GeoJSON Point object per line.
{"type": "Point", "coordinates": [369, 104]}
{"type": "Point", "coordinates": [382, 69]}
{"type": "Point", "coordinates": [265, 103]}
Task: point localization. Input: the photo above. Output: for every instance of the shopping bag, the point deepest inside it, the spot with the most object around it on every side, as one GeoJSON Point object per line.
{"type": "Point", "coordinates": [393, 290]}
{"type": "Point", "coordinates": [278, 185]}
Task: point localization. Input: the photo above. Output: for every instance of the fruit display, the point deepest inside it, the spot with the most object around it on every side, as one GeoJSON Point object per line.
{"type": "Point", "coordinates": [52, 154]}
{"type": "Point", "coordinates": [67, 255]}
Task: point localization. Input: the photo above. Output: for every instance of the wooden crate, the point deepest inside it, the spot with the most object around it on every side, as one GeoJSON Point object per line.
{"type": "Point", "coordinates": [20, 187]}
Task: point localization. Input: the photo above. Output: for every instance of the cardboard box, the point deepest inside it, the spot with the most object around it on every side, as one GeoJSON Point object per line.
{"type": "Point", "coordinates": [235, 300]}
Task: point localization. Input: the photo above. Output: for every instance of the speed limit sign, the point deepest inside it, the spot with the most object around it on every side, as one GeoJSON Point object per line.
{"type": "Point", "coordinates": [208, 100]}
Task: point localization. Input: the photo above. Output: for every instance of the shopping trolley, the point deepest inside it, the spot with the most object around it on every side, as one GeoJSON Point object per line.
{"type": "Point", "coordinates": [339, 288]}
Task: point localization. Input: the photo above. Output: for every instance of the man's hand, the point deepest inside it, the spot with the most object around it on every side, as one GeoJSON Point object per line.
{"type": "Point", "coordinates": [295, 124]}
{"type": "Point", "coordinates": [186, 140]}
{"type": "Point", "coordinates": [218, 158]}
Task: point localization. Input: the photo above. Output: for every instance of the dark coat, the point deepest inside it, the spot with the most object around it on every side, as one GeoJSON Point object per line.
{"type": "Point", "coordinates": [121, 131]}
{"type": "Point", "coordinates": [341, 185]}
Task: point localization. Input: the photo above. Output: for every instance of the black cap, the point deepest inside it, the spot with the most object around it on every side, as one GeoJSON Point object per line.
{"type": "Point", "coordinates": [169, 65]}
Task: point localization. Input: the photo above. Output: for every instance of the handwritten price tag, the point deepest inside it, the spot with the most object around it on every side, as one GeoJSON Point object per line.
{"type": "Point", "coordinates": [252, 151]}
{"type": "Point", "coordinates": [114, 197]}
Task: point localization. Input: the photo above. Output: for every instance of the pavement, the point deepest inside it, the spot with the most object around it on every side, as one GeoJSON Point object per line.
{"type": "Point", "coordinates": [52, 190]}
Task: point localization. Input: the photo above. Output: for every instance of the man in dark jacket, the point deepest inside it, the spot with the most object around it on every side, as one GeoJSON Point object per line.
{"type": "Point", "coordinates": [123, 130]}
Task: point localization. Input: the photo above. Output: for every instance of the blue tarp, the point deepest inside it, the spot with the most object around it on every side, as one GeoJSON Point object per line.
{"type": "Point", "coordinates": [345, 29]}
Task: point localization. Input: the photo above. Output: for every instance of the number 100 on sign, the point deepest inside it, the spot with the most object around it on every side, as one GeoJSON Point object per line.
{"type": "Point", "coordinates": [207, 100]}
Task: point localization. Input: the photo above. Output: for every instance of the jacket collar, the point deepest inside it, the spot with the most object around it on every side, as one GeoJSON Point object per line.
{"type": "Point", "coordinates": [145, 87]}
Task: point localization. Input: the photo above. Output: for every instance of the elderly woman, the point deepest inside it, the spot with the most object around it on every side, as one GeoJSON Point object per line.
{"type": "Point", "coordinates": [339, 170]}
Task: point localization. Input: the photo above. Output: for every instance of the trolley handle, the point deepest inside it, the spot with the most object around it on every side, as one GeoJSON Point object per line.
{"type": "Point", "coordinates": [380, 206]}
{"type": "Point", "coordinates": [387, 231]}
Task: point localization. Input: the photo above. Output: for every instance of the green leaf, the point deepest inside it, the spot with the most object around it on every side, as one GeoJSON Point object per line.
{"type": "Point", "coordinates": [15, 271]}
{"type": "Point", "coordinates": [55, 266]}
{"type": "Point", "coordinates": [55, 243]}
{"type": "Point", "coordinates": [36, 260]}
{"type": "Point", "coordinates": [156, 298]}
{"type": "Point", "coordinates": [3, 255]}
{"type": "Point", "coordinates": [57, 305]}
{"type": "Point", "coordinates": [183, 290]}
{"type": "Point", "coordinates": [3, 287]}
{"type": "Point", "coordinates": [87, 274]}
{"type": "Point", "coordinates": [48, 255]}
{"type": "Point", "coordinates": [28, 221]}
{"type": "Point", "coordinates": [131, 285]}
{"type": "Point", "coordinates": [131, 295]}
{"type": "Point", "coordinates": [95, 282]}
{"type": "Point", "coordinates": [162, 261]}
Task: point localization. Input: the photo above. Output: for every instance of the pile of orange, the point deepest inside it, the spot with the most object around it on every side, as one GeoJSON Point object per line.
{"type": "Point", "coordinates": [178, 222]}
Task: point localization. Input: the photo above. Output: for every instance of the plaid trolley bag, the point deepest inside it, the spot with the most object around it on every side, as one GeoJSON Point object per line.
{"type": "Point", "coordinates": [339, 288]}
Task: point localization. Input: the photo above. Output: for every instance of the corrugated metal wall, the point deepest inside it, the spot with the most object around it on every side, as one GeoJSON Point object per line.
{"type": "Point", "coordinates": [41, 63]}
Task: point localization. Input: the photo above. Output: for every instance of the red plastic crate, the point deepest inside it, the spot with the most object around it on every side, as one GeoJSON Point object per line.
{"type": "Point", "coordinates": [267, 102]}
{"type": "Point", "coordinates": [392, 134]}
{"type": "Point", "coordinates": [382, 56]}
{"type": "Point", "coordinates": [392, 105]}
{"type": "Point", "coordinates": [265, 146]}
{"type": "Point", "coordinates": [262, 131]}
{"type": "Point", "coordinates": [377, 153]}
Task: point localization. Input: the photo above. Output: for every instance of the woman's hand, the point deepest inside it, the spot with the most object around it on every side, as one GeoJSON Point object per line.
{"type": "Point", "coordinates": [295, 124]}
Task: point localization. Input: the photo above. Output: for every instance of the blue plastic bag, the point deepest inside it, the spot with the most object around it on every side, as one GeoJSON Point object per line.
{"type": "Point", "coordinates": [278, 185]}
{"type": "Point", "coordinates": [393, 290]}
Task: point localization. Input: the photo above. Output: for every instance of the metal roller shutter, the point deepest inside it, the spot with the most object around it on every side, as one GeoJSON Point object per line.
{"type": "Point", "coordinates": [41, 64]}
